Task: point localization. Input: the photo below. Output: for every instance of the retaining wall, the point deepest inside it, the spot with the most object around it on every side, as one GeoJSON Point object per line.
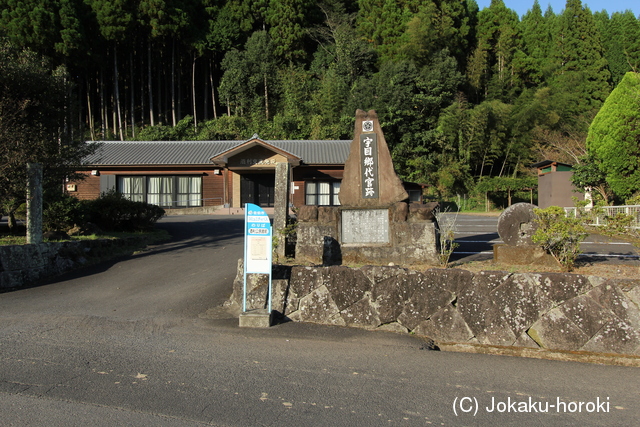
{"type": "Point", "coordinates": [557, 311]}
{"type": "Point", "coordinates": [22, 265]}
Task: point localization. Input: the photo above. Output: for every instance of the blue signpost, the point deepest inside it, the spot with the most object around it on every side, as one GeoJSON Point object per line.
{"type": "Point", "coordinates": [257, 247]}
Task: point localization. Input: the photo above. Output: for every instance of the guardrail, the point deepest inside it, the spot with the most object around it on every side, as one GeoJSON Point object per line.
{"type": "Point", "coordinates": [611, 211]}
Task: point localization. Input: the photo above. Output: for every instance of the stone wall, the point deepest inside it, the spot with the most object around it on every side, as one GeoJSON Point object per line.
{"type": "Point", "coordinates": [412, 237]}
{"type": "Point", "coordinates": [22, 265]}
{"type": "Point", "coordinates": [557, 311]}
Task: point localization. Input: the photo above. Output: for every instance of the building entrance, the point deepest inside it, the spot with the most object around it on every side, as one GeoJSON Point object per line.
{"type": "Point", "coordinates": [258, 189]}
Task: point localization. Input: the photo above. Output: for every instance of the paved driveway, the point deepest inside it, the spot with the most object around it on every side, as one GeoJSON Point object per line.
{"type": "Point", "coordinates": [139, 341]}
{"type": "Point", "coordinates": [476, 235]}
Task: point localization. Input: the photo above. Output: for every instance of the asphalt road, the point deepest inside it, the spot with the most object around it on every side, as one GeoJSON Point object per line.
{"type": "Point", "coordinates": [476, 235]}
{"type": "Point", "coordinates": [142, 341]}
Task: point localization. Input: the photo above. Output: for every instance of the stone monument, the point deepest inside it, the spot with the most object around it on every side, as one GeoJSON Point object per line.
{"type": "Point", "coordinates": [374, 223]}
{"type": "Point", "coordinates": [516, 226]}
{"type": "Point", "coordinates": [369, 178]}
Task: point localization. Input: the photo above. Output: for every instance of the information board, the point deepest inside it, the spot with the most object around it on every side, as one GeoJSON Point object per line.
{"type": "Point", "coordinates": [365, 226]}
{"type": "Point", "coordinates": [257, 246]}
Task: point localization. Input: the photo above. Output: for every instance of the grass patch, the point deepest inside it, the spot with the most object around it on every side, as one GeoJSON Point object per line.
{"type": "Point", "coordinates": [151, 237]}
{"type": "Point", "coordinates": [10, 239]}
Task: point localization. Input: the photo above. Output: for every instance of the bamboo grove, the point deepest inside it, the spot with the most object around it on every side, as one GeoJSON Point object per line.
{"type": "Point", "coordinates": [462, 93]}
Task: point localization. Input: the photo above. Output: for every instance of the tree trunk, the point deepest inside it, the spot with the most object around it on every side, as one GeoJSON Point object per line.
{"type": "Point", "coordinates": [150, 83]}
{"type": "Point", "coordinates": [114, 117]}
{"type": "Point", "coordinates": [213, 91]}
{"type": "Point", "coordinates": [12, 223]}
{"type": "Point", "coordinates": [90, 112]}
{"type": "Point", "coordinates": [504, 162]}
{"type": "Point", "coordinates": [193, 91]}
{"type": "Point", "coordinates": [104, 117]}
{"type": "Point", "coordinates": [205, 98]}
{"type": "Point", "coordinates": [160, 79]}
{"type": "Point", "coordinates": [266, 97]}
{"type": "Point", "coordinates": [133, 98]}
{"type": "Point", "coordinates": [173, 82]}
{"type": "Point", "coordinates": [116, 89]}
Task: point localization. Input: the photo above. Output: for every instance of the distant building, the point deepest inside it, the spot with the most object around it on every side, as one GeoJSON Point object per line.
{"type": "Point", "coordinates": [211, 173]}
{"type": "Point", "coordinates": [554, 184]}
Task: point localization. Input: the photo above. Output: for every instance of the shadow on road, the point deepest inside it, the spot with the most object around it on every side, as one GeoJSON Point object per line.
{"type": "Point", "coordinates": [188, 233]}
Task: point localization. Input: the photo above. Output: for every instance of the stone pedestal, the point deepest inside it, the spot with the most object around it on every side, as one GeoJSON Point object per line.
{"type": "Point", "coordinates": [522, 255]}
{"type": "Point", "coordinates": [408, 237]}
{"type": "Point", "coordinates": [255, 319]}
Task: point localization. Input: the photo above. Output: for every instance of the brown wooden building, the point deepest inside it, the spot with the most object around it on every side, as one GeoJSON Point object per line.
{"type": "Point", "coordinates": [180, 174]}
{"type": "Point", "coordinates": [211, 173]}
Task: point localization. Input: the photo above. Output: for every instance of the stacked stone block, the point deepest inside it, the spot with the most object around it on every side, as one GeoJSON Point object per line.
{"type": "Point", "coordinates": [557, 311]}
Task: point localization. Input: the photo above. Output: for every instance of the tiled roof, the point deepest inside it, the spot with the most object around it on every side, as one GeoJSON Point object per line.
{"type": "Point", "coordinates": [128, 153]}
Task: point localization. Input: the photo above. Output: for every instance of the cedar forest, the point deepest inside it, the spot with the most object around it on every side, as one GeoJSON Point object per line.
{"type": "Point", "coordinates": [466, 97]}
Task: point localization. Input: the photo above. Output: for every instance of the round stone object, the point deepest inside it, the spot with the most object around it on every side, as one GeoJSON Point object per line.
{"type": "Point", "coordinates": [517, 224]}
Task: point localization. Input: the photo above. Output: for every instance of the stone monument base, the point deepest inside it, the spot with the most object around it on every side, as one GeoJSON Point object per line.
{"type": "Point", "coordinates": [523, 255]}
{"type": "Point", "coordinates": [255, 319]}
{"type": "Point", "coordinates": [326, 236]}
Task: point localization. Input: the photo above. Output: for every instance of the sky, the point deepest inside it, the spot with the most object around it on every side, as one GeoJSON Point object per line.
{"type": "Point", "coordinates": [522, 6]}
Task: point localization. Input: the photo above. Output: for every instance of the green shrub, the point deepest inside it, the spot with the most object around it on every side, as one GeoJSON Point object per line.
{"type": "Point", "coordinates": [559, 235]}
{"type": "Point", "coordinates": [446, 223]}
{"type": "Point", "coordinates": [113, 212]}
{"type": "Point", "coordinates": [61, 212]}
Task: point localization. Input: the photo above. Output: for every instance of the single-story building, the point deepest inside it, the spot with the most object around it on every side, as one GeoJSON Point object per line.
{"type": "Point", "coordinates": [180, 174]}
{"type": "Point", "coordinates": [554, 184]}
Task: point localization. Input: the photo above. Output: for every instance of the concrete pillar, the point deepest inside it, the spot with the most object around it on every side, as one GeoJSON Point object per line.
{"type": "Point", "coordinates": [281, 207]}
{"type": "Point", "coordinates": [34, 203]}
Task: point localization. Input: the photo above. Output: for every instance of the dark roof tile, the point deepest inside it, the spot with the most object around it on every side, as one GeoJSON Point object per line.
{"type": "Point", "coordinates": [126, 153]}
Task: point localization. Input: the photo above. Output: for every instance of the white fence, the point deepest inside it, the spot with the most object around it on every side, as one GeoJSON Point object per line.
{"type": "Point", "coordinates": [610, 211]}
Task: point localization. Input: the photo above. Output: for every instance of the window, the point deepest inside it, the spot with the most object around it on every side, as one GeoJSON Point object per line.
{"type": "Point", "coordinates": [160, 190]}
{"type": "Point", "coordinates": [415, 195]}
{"type": "Point", "coordinates": [189, 191]}
{"type": "Point", "coordinates": [132, 187]}
{"type": "Point", "coordinates": [322, 193]}
{"type": "Point", "coordinates": [166, 191]}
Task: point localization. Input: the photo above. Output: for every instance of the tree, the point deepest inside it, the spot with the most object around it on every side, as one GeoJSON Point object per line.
{"type": "Point", "coordinates": [588, 175]}
{"type": "Point", "coordinates": [620, 35]}
{"type": "Point", "coordinates": [249, 76]}
{"type": "Point", "coordinates": [506, 185]}
{"type": "Point", "coordinates": [33, 110]}
{"type": "Point", "coordinates": [581, 80]}
{"type": "Point", "coordinates": [383, 24]}
{"type": "Point", "coordinates": [491, 66]}
{"type": "Point", "coordinates": [438, 25]}
{"type": "Point", "coordinates": [536, 42]}
{"type": "Point", "coordinates": [114, 19]}
{"type": "Point", "coordinates": [614, 137]}
{"type": "Point", "coordinates": [287, 18]}
{"type": "Point", "coordinates": [30, 23]}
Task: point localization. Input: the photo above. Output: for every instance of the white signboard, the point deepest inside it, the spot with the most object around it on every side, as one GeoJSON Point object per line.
{"type": "Point", "coordinates": [257, 246]}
